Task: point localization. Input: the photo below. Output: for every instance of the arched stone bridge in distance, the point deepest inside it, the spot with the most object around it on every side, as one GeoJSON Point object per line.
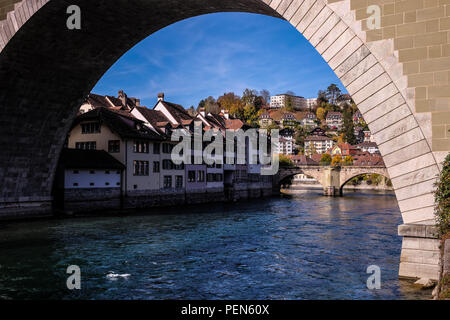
{"type": "Point", "coordinates": [332, 179]}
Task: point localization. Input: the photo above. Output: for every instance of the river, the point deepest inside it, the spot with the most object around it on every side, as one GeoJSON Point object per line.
{"type": "Point", "coordinates": [303, 246]}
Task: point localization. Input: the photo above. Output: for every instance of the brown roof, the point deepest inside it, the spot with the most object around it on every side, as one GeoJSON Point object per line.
{"type": "Point", "coordinates": [124, 125]}
{"type": "Point", "coordinates": [317, 138]}
{"type": "Point", "coordinates": [303, 160]}
{"type": "Point", "coordinates": [316, 157]}
{"type": "Point", "coordinates": [234, 124]}
{"type": "Point", "coordinates": [177, 111]}
{"type": "Point", "coordinates": [97, 101]}
{"type": "Point", "coordinates": [156, 118]}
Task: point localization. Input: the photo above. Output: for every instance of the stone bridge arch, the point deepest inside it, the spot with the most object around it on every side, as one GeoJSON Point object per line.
{"type": "Point", "coordinates": [349, 173]}
{"type": "Point", "coordinates": [314, 172]}
{"type": "Point", "coordinates": [397, 75]}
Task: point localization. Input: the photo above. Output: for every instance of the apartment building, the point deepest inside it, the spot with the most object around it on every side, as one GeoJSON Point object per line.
{"type": "Point", "coordinates": [298, 103]}
{"type": "Point", "coordinates": [334, 120]}
{"type": "Point", "coordinates": [317, 144]}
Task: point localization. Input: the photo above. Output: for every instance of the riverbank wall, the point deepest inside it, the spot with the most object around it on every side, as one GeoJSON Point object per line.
{"type": "Point", "coordinates": [300, 186]}
{"type": "Point", "coordinates": [87, 200]}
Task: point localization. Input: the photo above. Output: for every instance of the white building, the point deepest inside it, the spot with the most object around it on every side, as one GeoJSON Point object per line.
{"type": "Point", "coordinates": [317, 144]}
{"type": "Point", "coordinates": [299, 103]}
{"type": "Point", "coordinates": [285, 146]}
{"type": "Point", "coordinates": [334, 120]}
{"type": "Point", "coordinates": [90, 169]}
{"type": "Point", "coordinates": [310, 120]}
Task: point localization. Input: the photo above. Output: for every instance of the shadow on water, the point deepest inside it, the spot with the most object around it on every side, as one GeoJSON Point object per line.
{"type": "Point", "coordinates": [303, 246]}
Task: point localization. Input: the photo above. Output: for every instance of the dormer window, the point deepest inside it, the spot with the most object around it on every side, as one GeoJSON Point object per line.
{"type": "Point", "coordinates": [90, 127]}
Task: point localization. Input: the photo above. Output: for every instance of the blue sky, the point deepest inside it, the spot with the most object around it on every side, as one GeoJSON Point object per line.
{"type": "Point", "coordinates": [217, 53]}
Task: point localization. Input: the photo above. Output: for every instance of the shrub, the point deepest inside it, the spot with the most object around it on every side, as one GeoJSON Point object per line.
{"type": "Point", "coordinates": [285, 161]}
{"type": "Point", "coordinates": [442, 199]}
{"type": "Point", "coordinates": [325, 160]}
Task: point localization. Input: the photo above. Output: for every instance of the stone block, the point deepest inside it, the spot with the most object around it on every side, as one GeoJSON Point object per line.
{"type": "Point", "coordinates": [372, 97]}
{"type": "Point", "coordinates": [419, 202]}
{"type": "Point", "coordinates": [416, 176]}
{"type": "Point", "coordinates": [331, 37]}
{"type": "Point", "coordinates": [402, 141]}
{"type": "Point", "coordinates": [398, 128]}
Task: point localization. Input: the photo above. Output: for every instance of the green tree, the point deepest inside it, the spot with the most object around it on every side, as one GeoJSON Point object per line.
{"type": "Point", "coordinates": [289, 104]}
{"type": "Point", "coordinates": [337, 161]}
{"type": "Point", "coordinates": [321, 113]}
{"type": "Point", "coordinates": [333, 92]}
{"type": "Point", "coordinates": [265, 94]}
{"type": "Point", "coordinates": [249, 96]}
{"type": "Point", "coordinates": [300, 136]}
{"type": "Point", "coordinates": [349, 129]}
{"type": "Point", "coordinates": [250, 114]}
{"type": "Point", "coordinates": [285, 161]}
{"type": "Point", "coordinates": [228, 100]}
{"type": "Point", "coordinates": [321, 98]}
{"type": "Point", "coordinates": [325, 160]}
{"type": "Point", "coordinates": [442, 199]}
{"type": "Point", "coordinates": [348, 161]}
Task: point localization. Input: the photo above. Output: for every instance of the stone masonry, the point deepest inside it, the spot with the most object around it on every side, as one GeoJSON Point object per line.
{"type": "Point", "coordinates": [398, 75]}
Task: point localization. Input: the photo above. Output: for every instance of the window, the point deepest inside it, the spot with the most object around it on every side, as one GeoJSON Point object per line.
{"type": "Point", "coordinates": [89, 145]}
{"type": "Point", "coordinates": [210, 177]}
{"type": "Point", "coordinates": [167, 148]}
{"type": "Point", "coordinates": [218, 177]}
{"type": "Point", "coordinates": [201, 176]}
{"type": "Point", "coordinates": [76, 172]}
{"type": "Point", "coordinates": [75, 184]}
{"type": "Point", "coordinates": [140, 147]}
{"type": "Point", "coordinates": [179, 182]}
{"type": "Point", "coordinates": [168, 164]}
{"type": "Point", "coordinates": [91, 127]}
{"type": "Point", "coordinates": [156, 148]}
{"type": "Point", "coordinates": [114, 146]}
{"type": "Point", "coordinates": [191, 176]}
{"type": "Point", "coordinates": [92, 172]}
{"type": "Point", "coordinates": [141, 168]}
{"type": "Point", "coordinates": [167, 182]}
{"type": "Point", "coordinates": [178, 166]}
{"type": "Point", "coordinates": [106, 171]}
{"type": "Point", "coordinates": [156, 166]}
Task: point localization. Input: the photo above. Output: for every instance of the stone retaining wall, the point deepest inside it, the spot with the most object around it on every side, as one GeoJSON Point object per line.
{"type": "Point", "coordinates": [86, 200]}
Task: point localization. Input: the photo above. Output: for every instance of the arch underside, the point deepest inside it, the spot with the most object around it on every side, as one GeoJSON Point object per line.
{"type": "Point", "coordinates": [50, 69]}
{"type": "Point", "coordinates": [346, 178]}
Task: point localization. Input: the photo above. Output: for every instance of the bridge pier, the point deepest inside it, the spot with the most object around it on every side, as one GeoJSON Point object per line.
{"type": "Point", "coordinates": [420, 251]}
{"type": "Point", "coordinates": [331, 182]}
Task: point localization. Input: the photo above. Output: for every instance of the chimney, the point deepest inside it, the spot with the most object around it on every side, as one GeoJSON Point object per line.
{"type": "Point", "coordinates": [123, 98]}
{"type": "Point", "coordinates": [137, 102]}
{"type": "Point", "coordinates": [202, 111]}
{"type": "Point", "coordinates": [161, 96]}
{"type": "Point", "coordinates": [226, 114]}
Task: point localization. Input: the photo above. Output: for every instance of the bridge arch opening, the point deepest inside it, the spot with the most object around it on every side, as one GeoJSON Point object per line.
{"type": "Point", "coordinates": [288, 180]}
{"type": "Point", "coordinates": [369, 179]}
{"type": "Point", "coordinates": [50, 69]}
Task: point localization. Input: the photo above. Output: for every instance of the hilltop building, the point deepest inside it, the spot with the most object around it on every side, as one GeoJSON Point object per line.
{"type": "Point", "coordinates": [298, 103]}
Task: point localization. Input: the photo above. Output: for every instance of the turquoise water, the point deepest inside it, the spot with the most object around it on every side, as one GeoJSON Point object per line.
{"type": "Point", "coordinates": [290, 247]}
